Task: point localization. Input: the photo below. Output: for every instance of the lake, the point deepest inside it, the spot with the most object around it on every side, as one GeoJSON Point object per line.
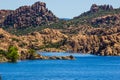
{"type": "Point", "coordinates": [85, 67]}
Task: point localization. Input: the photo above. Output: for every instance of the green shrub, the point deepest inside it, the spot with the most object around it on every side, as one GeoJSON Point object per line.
{"type": "Point", "coordinates": [12, 54]}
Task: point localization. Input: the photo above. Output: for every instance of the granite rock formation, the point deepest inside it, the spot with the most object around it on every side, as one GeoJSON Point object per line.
{"type": "Point", "coordinates": [31, 41]}
{"type": "Point", "coordinates": [106, 21]}
{"type": "Point", "coordinates": [96, 8]}
{"type": "Point", "coordinates": [98, 44]}
{"type": "Point", "coordinates": [30, 16]}
{"type": "Point", "coordinates": [3, 15]}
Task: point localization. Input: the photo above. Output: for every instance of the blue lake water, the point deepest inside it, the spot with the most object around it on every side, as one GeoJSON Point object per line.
{"type": "Point", "coordinates": [85, 67]}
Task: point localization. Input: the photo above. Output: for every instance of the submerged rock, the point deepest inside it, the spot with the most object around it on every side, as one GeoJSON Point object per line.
{"type": "Point", "coordinates": [62, 57]}
{"type": "Point", "coordinates": [55, 57]}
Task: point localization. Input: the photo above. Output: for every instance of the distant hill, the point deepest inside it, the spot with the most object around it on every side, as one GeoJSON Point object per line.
{"type": "Point", "coordinates": [36, 17]}
{"type": "Point", "coordinates": [27, 16]}
{"type": "Point", "coordinates": [99, 16]}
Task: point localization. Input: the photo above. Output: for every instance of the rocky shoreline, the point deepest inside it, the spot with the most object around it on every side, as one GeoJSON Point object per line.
{"type": "Point", "coordinates": [55, 57]}
{"type": "Point", "coordinates": [39, 57]}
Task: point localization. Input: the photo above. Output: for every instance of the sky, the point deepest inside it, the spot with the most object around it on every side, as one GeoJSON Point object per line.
{"type": "Point", "coordinates": [61, 8]}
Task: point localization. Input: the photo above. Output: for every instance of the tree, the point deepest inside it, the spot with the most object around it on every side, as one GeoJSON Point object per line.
{"type": "Point", "coordinates": [12, 54]}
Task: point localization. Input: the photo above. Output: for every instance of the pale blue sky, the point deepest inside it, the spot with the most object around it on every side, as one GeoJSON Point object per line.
{"type": "Point", "coordinates": [61, 8]}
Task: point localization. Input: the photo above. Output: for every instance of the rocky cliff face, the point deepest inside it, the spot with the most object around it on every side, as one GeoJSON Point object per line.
{"type": "Point", "coordinates": [27, 16]}
{"type": "Point", "coordinates": [3, 15]}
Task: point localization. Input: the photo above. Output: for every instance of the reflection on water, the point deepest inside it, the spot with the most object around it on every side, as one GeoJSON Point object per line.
{"type": "Point", "coordinates": [64, 54]}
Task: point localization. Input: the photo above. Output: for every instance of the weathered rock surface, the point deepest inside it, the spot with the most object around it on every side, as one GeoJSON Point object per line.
{"type": "Point", "coordinates": [95, 44]}
{"type": "Point", "coordinates": [106, 21]}
{"type": "Point", "coordinates": [3, 15]}
{"type": "Point", "coordinates": [31, 41]}
{"type": "Point", "coordinates": [103, 31]}
{"type": "Point", "coordinates": [29, 16]}
{"type": "Point", "coordinates": [96, 8]}
{"type": "Point", "coordinates": [98, 41]}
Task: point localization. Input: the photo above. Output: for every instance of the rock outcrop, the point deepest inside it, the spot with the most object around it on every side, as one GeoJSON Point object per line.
{"type": "Point", "coordinates": [95, 44]}
{"type": "Point", "coordinates": [103, 31]}
{"type": "Point", "coordinates": [106, 21]}
{"type": "Point", "coordinates": [96, 8]}
{"type": "Point", "coordinates": [30, 16]}
{"type": "Point", "coordinates": [3, 15]}
{"type": "Point", "coordinates": [55, 57]}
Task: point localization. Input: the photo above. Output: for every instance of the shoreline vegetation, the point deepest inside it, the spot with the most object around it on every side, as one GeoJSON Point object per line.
{"type": "Point", "coordinates": [12, 55]}
{"type": "Point", "coordinates": [30, 28]}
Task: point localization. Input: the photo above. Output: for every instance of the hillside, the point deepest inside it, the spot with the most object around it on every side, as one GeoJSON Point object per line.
{"type": "Point", "coordinates": [107, 43]}
{"type": "Point", "coordinates": [46, 40]}
{"type": "Point", "coordinates": [96, 31]}
{"type": "Point", "coordinates": [97, 16]}
{"type": "Point", "coordinates": [28, 16]}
